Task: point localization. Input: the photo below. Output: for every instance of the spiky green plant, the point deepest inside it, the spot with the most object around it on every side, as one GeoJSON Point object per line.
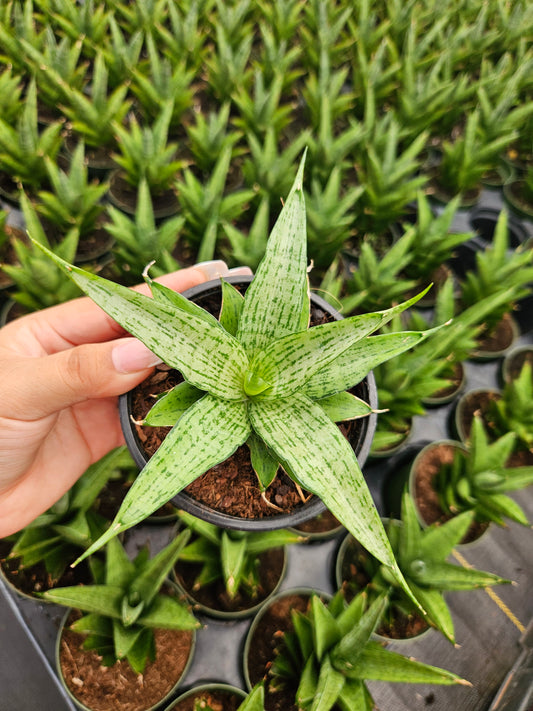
{"type": "Point", "coordinates": [139, 240]}
{"type": "Point", "coordinates": [209, 136]}
{"type": "Point", "coordinates": [330, 654]}
{"type": "Point", "coordinates": [70, 525]}
{"type": "Point", "coordinates": [185, 37]}
{"type": "Point", "coordinates": [230, 556]}
{"type": "Point", "coordinates": [259, 371]}
{"type": "Point", "coordinates": [249, 247]}
{"type": "Point", "coordinates": [227, 67]}
{"type": "Point", "coordinates": [87, 20]}
{"type": "Point", "coordinates": [121, 53]}
{"type": "Point", "coordinates": [479, 478]}
{"type": "Point", "coordinates": [73, 201]}
{"type": "Point", "coordinates": [513, 411]}
{"type": "Point", "coordinates": [263, 108]}
{"type": "Point", "coordinates": [11, 103]}
{"type": "Point", "coordinates": [126, 604]}
{"type": "Point", "coordinates": [422, 555]}
{"type": "Point", "coordinates": [23, 147]}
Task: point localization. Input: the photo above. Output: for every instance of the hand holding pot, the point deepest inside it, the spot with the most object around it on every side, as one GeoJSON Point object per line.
{"type": "Point", "coordinates": [62, 370]}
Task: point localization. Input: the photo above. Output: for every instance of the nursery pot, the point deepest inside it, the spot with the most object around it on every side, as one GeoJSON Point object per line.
{"type": "Point", "coordinates": [96, 688]}
{"type": "Point", "coordinates": [514, 360]}
{"type": "Point", "coordinates": [359, 432]}
{"type": "Point", "coordinates": [213, 600]}
{"type": "Point", "coordinates": [472, 403]}
{"type": "Point", "coordinates": [351, 577]}
{"type": "Point", "coordinates": [124, 196]}
{"type": "Point", "coordinates": [424, 469]}
{"type": "Point", "coordinates": [229, 696]}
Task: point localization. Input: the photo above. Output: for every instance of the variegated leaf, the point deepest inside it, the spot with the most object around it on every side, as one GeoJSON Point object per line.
{"type": "Point", "coordinates": [207, 356]}
{"type": "Point", "coordinates": [207, 434]}
{"type": "Point", "coordinates": [275, 298]}
{"type": "Point", "coordinates": [288, 363]}
{"type": "Point", "coordinates": [357, 361]}
{"type": "Point", "coordinates": [344, 406]}
{"type": "Point", "coordinates": [232, 305]}
{"type": "Point", "coordinates": [170, 407]}
{"type": "Point", "coordinates": [162, 293]}
{"type": "Point", "coordinates": [324, 465]}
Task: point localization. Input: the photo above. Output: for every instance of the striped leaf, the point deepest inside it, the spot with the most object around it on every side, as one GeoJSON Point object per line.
{"type": "Point", "coordinates": [171, 406]}
{"type": "Point", "coordinates": [274, 300]}
{"type": "Point", "coordinates": [232, 305]}
{"type": "Point", "coordinates": [207, 356]}
{"type": "Point", "coordinates": [325, 465]}
{"type": "Point", "coordinates": [344, 406]}
{"type": "Point", "coordinates": [162, 293]}
{"type": "Point", "coordinates": [358, 360]}
{"type": "Point", "coordinates": [207, 434]}
{"type": "Point", "coordinates": [288, 363]}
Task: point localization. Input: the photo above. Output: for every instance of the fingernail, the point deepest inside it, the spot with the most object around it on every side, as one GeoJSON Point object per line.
{"type": "Point", "coordinates": [131, 355]}
{"type": "Point", "coordinates": [212, 269]}
{"type": "Point", "coordinates": [240, 271]}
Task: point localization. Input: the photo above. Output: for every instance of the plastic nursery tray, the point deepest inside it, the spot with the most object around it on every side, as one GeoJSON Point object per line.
{"type": "Point", "coordinates": [490, 625]}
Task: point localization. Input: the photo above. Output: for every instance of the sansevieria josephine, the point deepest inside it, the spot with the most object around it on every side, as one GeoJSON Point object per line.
{"type": "Point", "coordinates": [258, 375]}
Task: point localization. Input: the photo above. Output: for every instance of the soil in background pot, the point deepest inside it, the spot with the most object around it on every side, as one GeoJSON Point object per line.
{"type": "Point", "coordinates": [216, 699]}
{"type": "Point", "coordinates": [119, 688]}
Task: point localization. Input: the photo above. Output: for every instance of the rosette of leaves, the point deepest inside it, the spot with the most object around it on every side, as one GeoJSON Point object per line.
{"type": "Point", "coordinates": [422, 555]}
{"type": "Point", "coordinates": [126, 604]}
{"type": "Point", "coordinates": [260, 376]}
{"type": "Point", "coordinates": [513, 411]}
{"type": "Point", "coordinates": [23, 147]}
{"type": "Point", "coordinates": [140, 240]}
{"type": "Point", "coordinates": [73, 201]}
{"type": "Point", "coordinates": [478, 479]}
{"type": "Point", "coordinates": [330, 654]}
{"type": "Point", "coordinates": [231, 556]}
{"type": "Point", "coordinates": [71, 524]}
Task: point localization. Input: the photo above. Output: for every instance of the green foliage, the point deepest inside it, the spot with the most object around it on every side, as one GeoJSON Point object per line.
{"type": "Point", "coordinates": [422, 555]}
{"type": "Point", "coordinates": [38, 282]}
{"type": "Point", "coordinates": [23, 147]}
{"type": "Point", "coordinates": [330, 653]}
{"type": "Point", "coordinates": [209, 137]}
{"type": "Point", "coordinates": [141, 240]}
{"type": "Point", "coordinates": [146, 153]}
{"type": "Point", "coordinates": [55, 537]}
{"type": "Point", "coordinates": [74, 201]}
{"type": "Point", "coordinates": [498, 268]}
{"type": "Point", "coordinates": [479, 479]}
{"type": "Point", "coordinates": [230, 556]}
{"type": "Point", "coordinates": [513, 411]}
{"type": "Point", "coordinates": [271, 376]}
{"type": "Point", "coordinates": [126, 604]}
{"type": "Point", "coordinates": [11, 103]}
{"type": "Point", "coordinates": [249, 248]}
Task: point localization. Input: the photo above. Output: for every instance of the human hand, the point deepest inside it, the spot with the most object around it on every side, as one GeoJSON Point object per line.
{"type": "Point", "coordinates": [62, 371]}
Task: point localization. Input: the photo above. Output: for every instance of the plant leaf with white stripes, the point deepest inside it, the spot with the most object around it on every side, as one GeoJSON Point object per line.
{"type": "Point", "coordinates": [325, 465]}
{"type": "Point", "coordinates": [208, 356]}
{"type": "Point", "coordinates": [207, 434]}
{"type": "Point", "coordinates": [275, 298]}
{"type": "Point", "coordinates": [288, 363]}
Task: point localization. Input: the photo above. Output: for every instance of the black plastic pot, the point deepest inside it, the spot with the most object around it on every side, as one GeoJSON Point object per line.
{"type": "Point", "coordinates": [360, 442]}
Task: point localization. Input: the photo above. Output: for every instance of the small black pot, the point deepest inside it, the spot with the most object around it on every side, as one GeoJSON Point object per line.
{"type": "Point", "coordinates": [361, 441]}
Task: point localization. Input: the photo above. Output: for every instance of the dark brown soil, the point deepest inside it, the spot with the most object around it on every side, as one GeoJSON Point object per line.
{"type": "Point", "coordinates": [266, 639]}
{"type": "Point", "coordinates": [119, 688]}
{"type": "Point", "coordinates": [214, 596]}
{"type": "Point", "coordinates": [323, 523]}
{"type": "Point", "coordinates": [426, 498]}
{"type": "Point", "coordinates": [475, 403]}
{"type": "Point", "coordinates": [498, 339]}
{"type": "Point", "coordinates": [216, 700]}
{"type": "Point", "coordinates": [36, 579]}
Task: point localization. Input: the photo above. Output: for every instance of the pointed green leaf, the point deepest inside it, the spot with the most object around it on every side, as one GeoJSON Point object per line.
{"type": "Point", "coordinates": [142, 651]}
{"type": "Point", "coordinates": [354, 696]}
{"type": "Point", "coordinates": [265, 465]}
{"type": "Point", "coordinates": [330, 683]}
{"type": "Point", "coordinates": [274, 300]}
{"type": "Point", "coordinates": [93, 623]}
{"type": "Point", "coordinates": [102, 599]}
{"type": "Point", "coordinates": [377, 663]}
{"type": "Point", "coordinates": [325, 630]}
{"type": "Point", "coordinates": [168, 613]}
{"type": "Point", "coordinates": [502, 505]}
{"type": "Point", "coordinates": [124, 638]}
{"type": "Point", "coordinates": [255, 699]}
{"type": "Point", "coordinates": [345, 654]}
{"type": "Point", "coordinates": [162, 293]}
{"type": "Point", "coordinates": [307, 687]}
{"type": "Point", "coordinates": [291, 361]}
{"type": "Point", "coordinates": [119, 569]}
{"type": "Point", "coordinates": [437, 611]}
{"type": "Point", "coordinates": [357, 361]}
{"type": "Point", "coordinates": [257, 543]}
{"type": "Point", "coordinates": [232, 305]}
{"type": "Point", "coordinates": [208, 433]}
{"type": "Point", "coordinates": [438, 541]}
{"type": "Point", "coordinates": [447, 576]}
{"type": "Point", "coordinates": [232, 558]}
{"type": "Point", "coordinates": [344, 406]}
{"type": "Point", "coordinates": [207, 356]}
{"type": "Point", "coordinates": [324, 465]}
{"type": "Point", "coordinates": [170, 407]}
{"type": "Point", "coordinates": [202, 528]}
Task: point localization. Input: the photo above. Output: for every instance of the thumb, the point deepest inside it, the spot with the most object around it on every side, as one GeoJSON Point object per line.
{"type": "Point", "coordinates": [96, 370]}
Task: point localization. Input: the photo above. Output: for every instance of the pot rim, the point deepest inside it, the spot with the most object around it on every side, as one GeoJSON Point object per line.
{"type": "Point", "coordinates": [309, 510]}
{"type": "Point", "coordinates": [207, 686]}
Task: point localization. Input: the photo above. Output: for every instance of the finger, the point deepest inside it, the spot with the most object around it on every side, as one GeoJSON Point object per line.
{"type": "Point", "coordinates": [38, 387]}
